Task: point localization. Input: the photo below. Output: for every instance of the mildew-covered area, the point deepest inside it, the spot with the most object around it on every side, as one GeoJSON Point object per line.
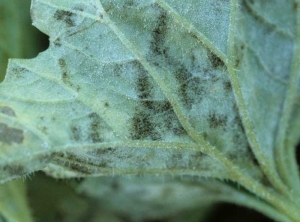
{"type": "Point", "coordinates": [148, 75]}
{"type": "Point", "coordinates": [125, 160]}
{"type": "Point", "coordinates": [90, 129]}
{"type": "Point", "coordinates": [267, 53]}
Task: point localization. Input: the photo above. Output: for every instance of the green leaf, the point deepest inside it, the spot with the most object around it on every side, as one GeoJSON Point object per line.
{"type": "Point", "coordinates": [13, 205]}
{"type": "Point", "coordinates": [205, 88]}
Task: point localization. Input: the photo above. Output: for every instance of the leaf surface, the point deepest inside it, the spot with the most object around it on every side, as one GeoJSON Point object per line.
{"type": "Point", "coordinates": [154, 87]}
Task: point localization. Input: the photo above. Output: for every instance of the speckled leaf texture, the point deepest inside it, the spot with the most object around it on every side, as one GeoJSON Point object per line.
{"type": "Point", "coordinates": [158, 87]}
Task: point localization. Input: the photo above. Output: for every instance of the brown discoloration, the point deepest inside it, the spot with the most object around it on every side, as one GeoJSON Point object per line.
{"type": "Point", "coordinates": [10, 135]}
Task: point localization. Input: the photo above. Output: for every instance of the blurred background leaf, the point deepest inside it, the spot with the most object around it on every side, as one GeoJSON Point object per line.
{"type": "Point", "coordinates": [13, 205]}
{"type": "Point", "coordinates": [18, 38]}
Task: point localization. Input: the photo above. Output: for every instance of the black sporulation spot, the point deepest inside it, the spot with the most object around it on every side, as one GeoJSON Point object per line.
{"type": "Point", "coordinates": [178, 130]}
{"type": "Point", "coordinates": [159, 32]}
{"type": "Point", "coordinates": [205, 135]}
{"type": "Point", "coordinates": [65, 75]}
{"type": "Point", "coordinates": [227, 86]}
{"type": "Point", "coordinates": [103, 152]}
{"type": "Point", "coordinates": [75, 163]}
{"type": "Point", "coordinates": [79, 168]}
{"type": "Point", "coordinates": [106, 104]}
{"type": "Point", "coordinates": [62, 63]}
{"type": "Point", "coordinates": [65, 16]}
{"type": "Point", "coordinates": [253, 157]}
{"type": "Point", "coordinates": [14, 169]}
{"type": "Point", "coordinates": [10, 135]}
{"type": "Point", "coordinates": [190, 88]}
{"type": "Point", "coordinates": [76, 132]}
{"type": "Point", "coordinates": [239, 55]}
{"type": "Point", "coordinates": [57, 42]}
{"type": "Point", "coordinates": [7, 111]}
{"type": "Point", "coordinates": [143, 86]}
{"type": "Point", "coordinates": [94, 128]}
{"type": "Point", "coordinates": [142, 127]}
{"type": "Point", "coordinates": [18, 71]}
{"type": "Point", "coordinates": [217, 121]}
{"type": "Point", "coordinates": [215, 61]}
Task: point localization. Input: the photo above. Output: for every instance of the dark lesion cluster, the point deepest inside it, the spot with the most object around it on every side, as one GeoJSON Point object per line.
{"type": "Point", "coordinates": [66, 16]}
{"type": "Point", "coordinates": [96, 161]}
{"type": "Point", "coordinates": [217, 121]}
{"type": "Point", "coordinates": [190, 88]}
{"type": "Point", "coordinates": [215, 61]}
{"type": "Point", "coordinates": [88, 129]}
{"type": "Point", "coordinates": [152, 118]}
{"type": "Point", "coordinates": [66, 76]}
